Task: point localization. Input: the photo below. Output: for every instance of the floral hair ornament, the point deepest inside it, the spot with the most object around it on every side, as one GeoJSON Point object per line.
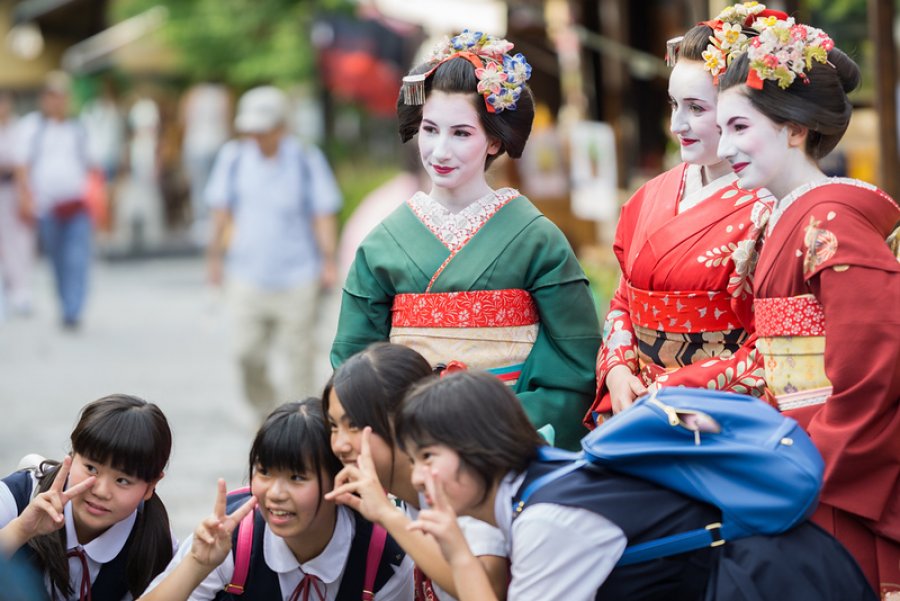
{"type": "Point", "coordinates": [501, 77]}
{"type": "Point", "coordinates": [729, 40]}
{"type": "Point", "coordinates": [784, 52]}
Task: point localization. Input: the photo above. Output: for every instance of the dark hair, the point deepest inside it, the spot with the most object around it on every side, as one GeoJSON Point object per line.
{"type": "Point", "coordinates": [477, 416]}
{"type": "Point", "coordinates": [694, 43]}
{"type": "Point", "coordinates": [133, 437]}
{"type": "Point", "coordinates": [371, 384]}
{"type": "Point", "coordinates": [819, 104]}
{"type": "Point", "coordinates": [295, 438]}
{"type": "Point", "coordinates": [457, 75]}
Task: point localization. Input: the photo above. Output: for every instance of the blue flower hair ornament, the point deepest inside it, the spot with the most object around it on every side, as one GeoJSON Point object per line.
{"type": "Point", "coordinates": [501, 77]}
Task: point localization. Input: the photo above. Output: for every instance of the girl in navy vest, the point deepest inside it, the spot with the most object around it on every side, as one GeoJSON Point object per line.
{"type": "Point", "coordinates": [361, 402]}
{"type": "Point", "coordinates": [303, 547]}
{"type": "Point", "coordinates": [474, 452]}
{"type": "Point", "coordinates": [93, 524]}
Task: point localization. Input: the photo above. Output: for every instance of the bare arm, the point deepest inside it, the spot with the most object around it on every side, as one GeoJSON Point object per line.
{"type": "Point", "coordinates": [218, 244]}
{"type": "Point", "coordinates": [325, 230]}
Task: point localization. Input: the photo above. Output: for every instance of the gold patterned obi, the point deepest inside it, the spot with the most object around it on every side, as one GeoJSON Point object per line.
{"type": "Point", "coordinates": [791, 339]}
{"type": "Point", "coordinates": [677, 328]}
{"type": "Point", "coordinates": [491, 330]}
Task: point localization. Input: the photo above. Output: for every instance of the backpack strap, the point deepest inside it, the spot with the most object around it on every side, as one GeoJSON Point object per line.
{"type": "Point", "coordinates": [692, 540]}
{"type": "Point", "coordinates": [373, 560]}
{"type": "Point", "coordinates": [20, 485]}
{"type": "Point", "coordinates": [242, 550]}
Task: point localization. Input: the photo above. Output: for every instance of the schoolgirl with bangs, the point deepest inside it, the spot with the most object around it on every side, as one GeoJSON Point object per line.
{"type": "Point", "coordinates": [93, 524]}
{"type": "Point", "coordinates": [302, 546]}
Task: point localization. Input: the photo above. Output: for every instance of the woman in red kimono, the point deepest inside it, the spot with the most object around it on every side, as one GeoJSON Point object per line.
{"type": "Point", "coordinates": [827, 283]}
{"type": "Point", "coordinates": [687, 243]}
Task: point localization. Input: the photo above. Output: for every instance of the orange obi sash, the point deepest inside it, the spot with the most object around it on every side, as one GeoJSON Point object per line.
{"type": "Point", "coordinates": [467, 309]}
{"type": "Point", "coordinates": [682, 312]}
{"type": "Point", "coordinates": [491, 330]}
{"type": "Point", "coordinates": [792, 341]}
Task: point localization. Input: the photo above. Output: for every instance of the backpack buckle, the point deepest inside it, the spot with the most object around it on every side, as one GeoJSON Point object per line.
{"type": "Point", "coordinates": [715, 530]}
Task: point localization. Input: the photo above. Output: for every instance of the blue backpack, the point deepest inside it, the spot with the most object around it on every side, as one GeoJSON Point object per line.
{"type": "Point", "coordinates": [732, 451]}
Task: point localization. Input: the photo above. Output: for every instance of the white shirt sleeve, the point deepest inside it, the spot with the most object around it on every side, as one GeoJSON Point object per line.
{"type": "Point", "coordinates": [483, 538]}
{"type": "Point", "coordinates": [563, 553]}
{"type": "Point", "coordinates": [26, 128]}
{"type": "Point", "coordinates": [8, 509]}
{"type": "Point", "coordinates": [218, 193]}
{"type": "Point", "coordinates": [216, 582]}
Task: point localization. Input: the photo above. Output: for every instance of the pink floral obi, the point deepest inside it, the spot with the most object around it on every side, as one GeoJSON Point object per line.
{"type": "Point", "coordinates": [492, 330]}
{"type": "Point", "coordinates": [682, 312]}
{"type": "Point", "coordinates": [791, 339]}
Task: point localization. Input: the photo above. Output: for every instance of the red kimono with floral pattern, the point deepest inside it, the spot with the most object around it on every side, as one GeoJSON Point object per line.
{"type": "Point", "coordinates": [826, 258]}
{"type": "Point", "coordinates": [682, 313]}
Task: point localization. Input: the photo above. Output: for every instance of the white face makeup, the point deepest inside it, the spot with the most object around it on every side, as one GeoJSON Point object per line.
{"type": "Point", "coordinates": [453, 146]}
{"type": "Point", "coordinates": [693, 96]}
{"type": "Point", "coordinates": [758, 149]}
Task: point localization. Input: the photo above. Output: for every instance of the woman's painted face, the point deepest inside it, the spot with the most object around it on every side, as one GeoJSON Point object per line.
{"type": "Point", "coordinates": [692, 96]}
{"type": "Point", "coordinates": [462, 490]}
{"type": "Point", "coordinates": [453, 145]}
{"type": "Point", "coordinates": [756, 146]}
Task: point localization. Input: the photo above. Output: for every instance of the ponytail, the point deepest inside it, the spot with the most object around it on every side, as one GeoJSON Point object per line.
{"type": "Point", "coordinates": [151, 545]}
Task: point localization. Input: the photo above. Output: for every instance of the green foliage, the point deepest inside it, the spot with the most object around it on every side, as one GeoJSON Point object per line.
{"type": "Point", "coordinates": [240, 42]}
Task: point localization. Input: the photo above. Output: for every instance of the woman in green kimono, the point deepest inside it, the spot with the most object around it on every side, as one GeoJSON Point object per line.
{"type": "Point", "coordinates": [467, 275]}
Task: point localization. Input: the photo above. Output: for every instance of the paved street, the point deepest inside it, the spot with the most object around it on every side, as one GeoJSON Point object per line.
{"type": "Point", "coordinates": [152, 329]}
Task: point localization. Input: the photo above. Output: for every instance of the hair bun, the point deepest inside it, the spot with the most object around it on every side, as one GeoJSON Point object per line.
{"type": "Point", "coordinates": [847, 69]}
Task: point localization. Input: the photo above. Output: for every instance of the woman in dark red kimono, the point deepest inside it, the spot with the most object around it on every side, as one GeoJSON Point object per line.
{"type": "Point", "coordinates": [827, 282]}
{"type": "Point", "coordinates": [687, 242]}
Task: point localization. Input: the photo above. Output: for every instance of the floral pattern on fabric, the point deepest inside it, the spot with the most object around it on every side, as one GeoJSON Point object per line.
{"type": "Point", "coordinates": [821, 245]}
{"type": "Point", "coordinates": [789, 316]}
{"type": "Point", "coordinates": [619, 346]}
{"type": "Point", "coordinates": [467, 309]}
{"type": "Point", "coordinates": [454, 230]}
{"type": "Point", "coordinates": [681, 312]}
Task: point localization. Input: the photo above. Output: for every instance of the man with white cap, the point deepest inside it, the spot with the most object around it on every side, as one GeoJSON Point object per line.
{"type": "Point", "coordinates": [274, 202]}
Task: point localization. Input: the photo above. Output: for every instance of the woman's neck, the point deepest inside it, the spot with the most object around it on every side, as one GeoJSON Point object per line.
{"type": "Point", "coordinates": [457, 199]}
{"type": "Point", "coordinates": [401, 484]}
{"type": "Point", "coordinates": [312, 541]}
{"type": "Point", "coordinates": [710, 173]}
{"type": "Point", "coordinates": [484, 511]}
{"type": "Point", "coordinates": [806, 172]}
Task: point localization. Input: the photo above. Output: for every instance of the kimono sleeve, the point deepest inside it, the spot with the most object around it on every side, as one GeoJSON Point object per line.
{"type": "Point", "coordinates": [558, 381]}
{"type": "Point", "coordinates": [365, 315]}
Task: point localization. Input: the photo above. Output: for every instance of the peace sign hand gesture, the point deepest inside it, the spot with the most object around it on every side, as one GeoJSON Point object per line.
{"type": "Point", "coordinates": [440, 522]}
{"type": "Point", "coordinates": [212, 538]}
{"type": "Point", "coordinates": [358, 486]}
{"type": "Point", "coordinates": [45, 512]}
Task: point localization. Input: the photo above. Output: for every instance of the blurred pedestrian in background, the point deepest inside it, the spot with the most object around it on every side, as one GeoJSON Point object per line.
{"type": "Point", "coordinates": [52, 176]}
{"type": "Point", "coordinates": [274, 201]}
{"type": "Point", "coordinates": [205, 112]}
{"type": "Point", "coordinates": [16, 236]}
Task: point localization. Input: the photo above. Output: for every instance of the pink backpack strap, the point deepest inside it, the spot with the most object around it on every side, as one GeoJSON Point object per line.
{"type": "Point", "coordinates": [373, 559]}
{"type": "Point", "coordinates": [242, 552]}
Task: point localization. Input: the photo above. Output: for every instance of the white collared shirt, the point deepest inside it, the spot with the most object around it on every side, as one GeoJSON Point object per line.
{"type": "Point", "coordinates": [328, 566]}
{"type": "Point", "coordinates": [556, 552]}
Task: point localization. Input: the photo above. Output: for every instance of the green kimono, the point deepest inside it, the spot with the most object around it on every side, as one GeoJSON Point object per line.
{"type": "Point", "coordinates": [516, 248]}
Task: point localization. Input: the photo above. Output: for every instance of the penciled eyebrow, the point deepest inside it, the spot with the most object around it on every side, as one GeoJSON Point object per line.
{"type": "Point", "coordinates": [460, 126]}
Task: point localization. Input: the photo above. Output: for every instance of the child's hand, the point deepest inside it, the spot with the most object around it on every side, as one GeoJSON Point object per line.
{"type": "Point", "coordinates": [212, 538]}
{"type": "Point", "coordinates": [358, 486]}
{"type": "Point", "coordinates": [45, 512]}
{"type": "Point", "coordinates": [440, 522]}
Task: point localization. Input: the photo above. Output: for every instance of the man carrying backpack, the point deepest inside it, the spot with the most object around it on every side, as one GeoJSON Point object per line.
{"type": "Point", "coordinates": [52, 175]}
{"type": "Point", "coordinates": [274, 201]}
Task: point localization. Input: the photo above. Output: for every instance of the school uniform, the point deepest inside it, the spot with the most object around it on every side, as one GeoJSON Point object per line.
{"type": "Point", "coordinates": [482, 538]}
{"type": "Point", "coordinates": [104, 557]}
{"type": "Point", "coordinates": [275, 573]}
{"type": "Point", "coordinates": [566, 540]}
